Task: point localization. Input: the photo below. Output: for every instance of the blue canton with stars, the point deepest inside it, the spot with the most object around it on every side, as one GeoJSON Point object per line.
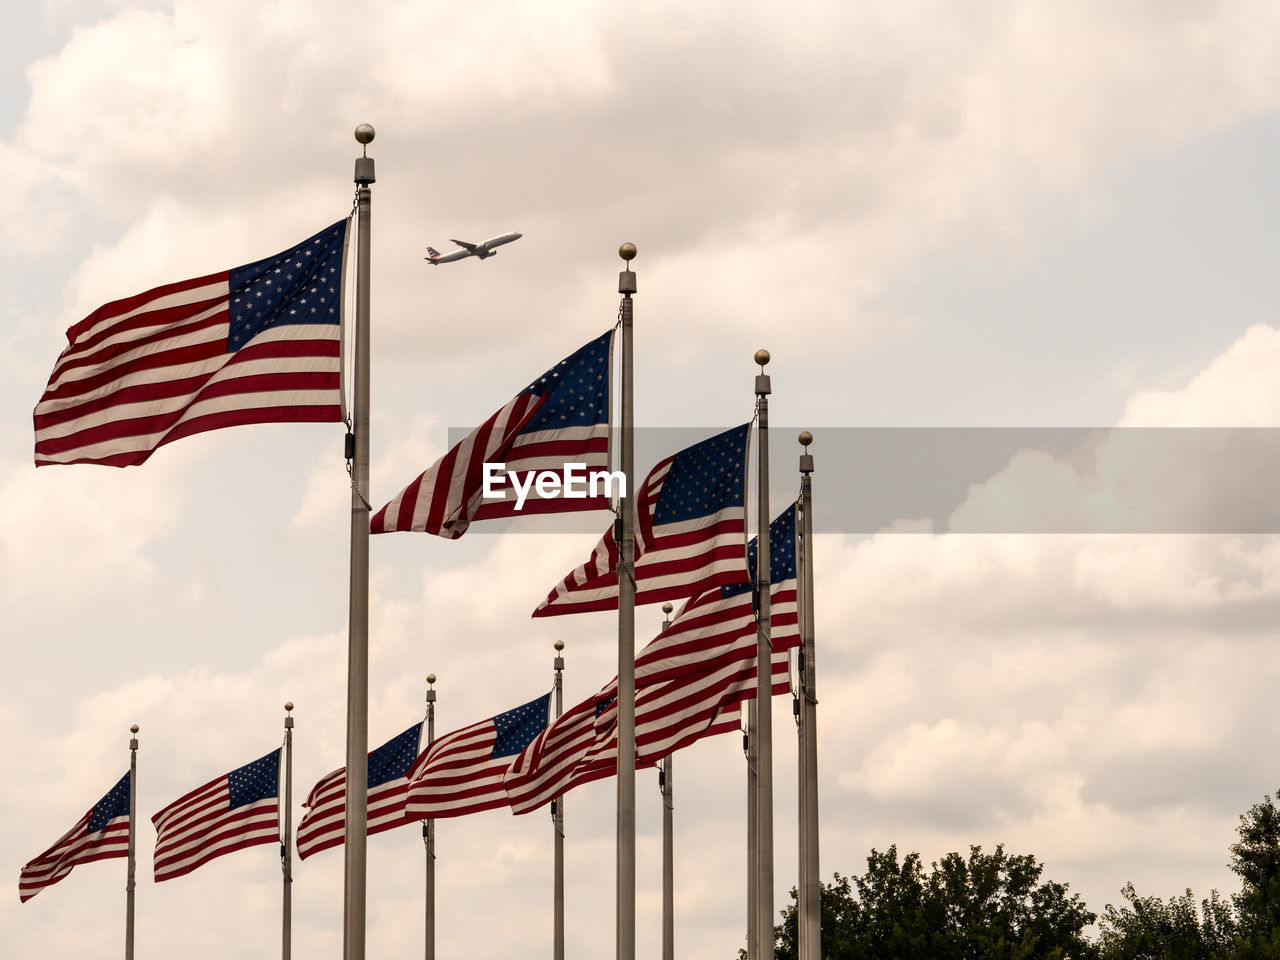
{"type": "Point", "coordinates": [576, 389]}
{"type": "Point", "coordinates": [782, 554]}
{"type": "Point", "coordinates": [114, 804]}
{"type": "Point", "coordinates": [603, 705]}
{"type": "Point", "coordinates": [394, 758]}
{"type": "Point", "coordinates": [705, 478]}
{"type": "Point", "coordinates": [255, 781]}
{"type": "Point", "coordinates": [517, 728]}
{"type": "Point", "coordinates": [301, 285]}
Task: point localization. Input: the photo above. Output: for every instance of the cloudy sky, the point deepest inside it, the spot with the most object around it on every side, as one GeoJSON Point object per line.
{"type": "Point", "coordinates": [996, 214]}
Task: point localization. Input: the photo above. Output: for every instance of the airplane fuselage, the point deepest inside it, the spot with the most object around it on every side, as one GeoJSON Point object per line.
{"type": "Point", "coordinates": [480, 251]}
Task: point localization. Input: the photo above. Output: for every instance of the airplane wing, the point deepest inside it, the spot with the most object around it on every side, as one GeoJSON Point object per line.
{"type": "Point", "coordinates": [463, 243]}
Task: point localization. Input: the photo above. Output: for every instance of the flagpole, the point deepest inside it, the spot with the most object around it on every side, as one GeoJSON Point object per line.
{"type": "Point", "coordinates": [286, 848]}
{"type": "Point", "coordinates": [668, 842]}
{"type": "Point", "coordinates": [809, 903]}
{"type": "Point", "coordinates": [557, 825]}
{"type": "Point", "coordinates": [133, 820]}
{"type": "Point", "coordinates": [764, 677]}
{"type": "Point", "coordinates": [356, 822]}
{"type": "Point", "coordinates": [429, 834]}
{"type": "Point", "coordinates": [626, 879]}
{"type": "Point", "coordinates": [753, 831]}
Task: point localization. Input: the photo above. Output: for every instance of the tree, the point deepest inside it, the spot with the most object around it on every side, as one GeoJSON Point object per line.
{"type": "Point", "coordinates": [983, 907]}
{"type": "Point", "coordinates": [1255, 859]}
{"type": "Point", "coordinates": [1151, 929]}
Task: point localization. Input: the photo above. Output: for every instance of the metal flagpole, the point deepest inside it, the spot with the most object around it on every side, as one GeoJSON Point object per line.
{"type": "Point", "coordinates": [809, 903]}
{"type": "Point", "coordinates": [429, 834]}
{"type": "Point", "coordinates": [286, 848]}
{"type": "Point", "coordinates": [764, 678]}
{"type": "Point", "coordinates": [668, 843]}
{"type": "Point", "coordinates": [356, 825]}
{"type": "Point", "coordinates": [626, 904]}
{"type": "Point", "coordinates": [133, 820]}
{"type": "Point", "coordinates": [753, 832]}
{"type": "Point", "coordinates": [557, 825]}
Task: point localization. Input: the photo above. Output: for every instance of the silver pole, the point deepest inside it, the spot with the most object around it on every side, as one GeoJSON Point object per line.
{"type": "Point", "coordinates": [627, 638]}
{"type": "Point", "coordinates": [802, 814]}
{"type": "Point", "coordinates": [668, 844]}
{"type": "Point", "coordinates": [764, 676]}
{"type": "Point", "coordinates": [429, 835]}
{"type": "Point", "coordinates": [810, 904]}
{"type": "Point", "coordinates": [286, 848]}
{"type": "Point", "coordinates": [557, 825]}
{"type": "Point", "coordinates": [133, 821]}
{"type": "Point", "coordinates": [753, 832]}
{"type": "Point", "coordinates": [356, 825]}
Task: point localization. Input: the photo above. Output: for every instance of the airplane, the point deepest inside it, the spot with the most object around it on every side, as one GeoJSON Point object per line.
{"type": "Point", "coordinates": [479, 250]}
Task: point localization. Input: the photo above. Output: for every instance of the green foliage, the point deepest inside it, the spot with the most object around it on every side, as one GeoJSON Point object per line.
{"type": "Point", "coordinates": [983, 907]}
{"type": "Point", "coordinates": [1152, 929]}
{"type": "Point", "coordinates": [994, 907]}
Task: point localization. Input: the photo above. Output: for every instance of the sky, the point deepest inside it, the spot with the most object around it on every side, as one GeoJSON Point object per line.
{"type": "Point", "coordinates": [996, 215]}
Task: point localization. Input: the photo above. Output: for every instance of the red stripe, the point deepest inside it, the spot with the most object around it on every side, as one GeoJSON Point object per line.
{"type": "Point", "coordinates": [175, 357]}
{"type": "Point", "coordinates": [118, 308]}
{"type": "Point", "coordinates": [167, 322]}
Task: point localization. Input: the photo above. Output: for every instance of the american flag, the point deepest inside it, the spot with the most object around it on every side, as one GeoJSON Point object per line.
{"type": "Point", "coordinates": [254, 344]}
{"type": "Point", "coordinates": [462, 771]}
{"type": "Point", "coordinates": [237, 810]}
{"type": "Point", "coordinates": [568, 753]}
{"type": "Point", "coordinates": [690, 534]}
{"type": "Point", "coordinates": [101, 834]}
{"type": "Point", "coordinates": [323, 824]}
{"type": "Point", "coordinates": [719, 627]}
{"type": "Point", "coordinates": [690, 681]}
{"type": "Point", "coordinates": [562, 417]}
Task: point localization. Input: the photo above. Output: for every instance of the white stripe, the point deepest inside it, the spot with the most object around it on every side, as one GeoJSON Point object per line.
{"type": "Point", "coordinates": [239, 401]}
{"type": "Point", "coordinates": [215, 288]}
{"type": "Point", "coordinates": [150, 408]}
{"type": "Point", "coordinates": [211, 334]}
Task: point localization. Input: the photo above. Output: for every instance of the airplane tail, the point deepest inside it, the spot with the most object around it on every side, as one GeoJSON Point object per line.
{"type": "Point", "coordinates": [433, 254]}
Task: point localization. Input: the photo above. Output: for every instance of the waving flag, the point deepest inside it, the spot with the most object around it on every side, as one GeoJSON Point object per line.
{"type": "Point", "coordinates": [237, 810]}
{"type": "Point", "coordinates": [690, 534]}
{"type": "Point", "coordinates": [323, 824]}
{"type": "Point", "coordinates": [560, 418]}
{"type": "Point", "coordinates": [718, 631]}
{"type": "Point", "coordinates": [568, 753]}
{"type": "Point", "coordinates": [690, 682]}
{"type": "Point", "coordinates": [253, 344]}
{"type": "Point", "coordinates": [101, 834]}
{"type": "Point", "coordinates": [462, 771]}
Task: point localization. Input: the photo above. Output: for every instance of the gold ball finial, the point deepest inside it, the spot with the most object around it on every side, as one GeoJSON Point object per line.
{"type": "Point", "coordinates": [559, 645]}
{"type": "Point", "coordinates": [431, 678]}
{"type": "Point", "coordinates": [288, 706]}
{"type": "Point", "coordinates": [762, 357]}
{"type": "Point", "coordinates": [133, 729]}
{"type": "Point", "coordinates": [667, 608]}
{"type": "Point", "coordinates": [627, 251]}
{"type": "Point", "coordinates": [364, 134]}
{"type": "Point", "coordinates": [806, 438]}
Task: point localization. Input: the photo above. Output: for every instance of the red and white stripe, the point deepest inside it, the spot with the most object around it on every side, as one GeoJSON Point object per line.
{"type": "Point", "coordinates": [324, 824]}
{"type": "Point", "coordinates": [198, 827]}
{"type": "Point", "coordinates": [458, 775]}
{"type": "Point", "coordinates": [673, 561]}
{"type": "Point", "coordinates": [690, 681]}
{"type": "Point", "coordinates": [76, 846]}
{"type": "Point", "coordinates": [141, 372]}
